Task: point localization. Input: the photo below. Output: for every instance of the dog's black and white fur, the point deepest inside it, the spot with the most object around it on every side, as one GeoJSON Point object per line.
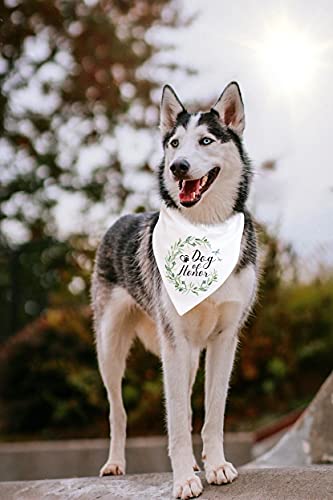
{"type": "Point", "coordinates": [129, 298]}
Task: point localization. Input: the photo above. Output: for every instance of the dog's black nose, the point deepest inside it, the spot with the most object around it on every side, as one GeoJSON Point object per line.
{"type": "Point", "coordinates": [179, 168]}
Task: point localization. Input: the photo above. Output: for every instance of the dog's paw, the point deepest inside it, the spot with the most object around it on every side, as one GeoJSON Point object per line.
{"type": "Point", "coordinates": [112, 469]}
{"type": "Point", "coordinates": [221, 474]}
{"type": "Point", "coordinates": [189, 488]}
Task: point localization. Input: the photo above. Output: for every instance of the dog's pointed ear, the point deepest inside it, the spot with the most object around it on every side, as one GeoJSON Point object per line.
{"type": "Point", "coordinates": [170, 109]}
{"type": "Point", "coordinates": [231, 109]}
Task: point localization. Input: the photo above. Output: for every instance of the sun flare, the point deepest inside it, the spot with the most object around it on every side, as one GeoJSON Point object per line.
{"type": "Point", "coordinates": [288, 56]}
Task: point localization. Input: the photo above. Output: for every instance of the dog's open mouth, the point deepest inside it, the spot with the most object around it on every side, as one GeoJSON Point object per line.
{"type": "Point", "coordinates": [190, 191]}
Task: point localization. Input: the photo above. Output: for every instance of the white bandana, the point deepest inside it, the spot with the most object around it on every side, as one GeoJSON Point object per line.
{"type": "Point", "coordinates": [195, 259]}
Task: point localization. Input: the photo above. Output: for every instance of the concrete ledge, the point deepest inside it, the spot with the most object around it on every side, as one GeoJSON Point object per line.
{"type": "Point", "coordinates": [84, 457]}
{"type": "Point", "coordinates": [310, 440]}
{"type": "Point", "coordinates": [292, 483]}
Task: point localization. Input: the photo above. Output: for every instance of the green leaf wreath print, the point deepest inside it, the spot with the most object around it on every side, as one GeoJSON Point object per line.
{"type": "Point", "coordinates": [176, 251]}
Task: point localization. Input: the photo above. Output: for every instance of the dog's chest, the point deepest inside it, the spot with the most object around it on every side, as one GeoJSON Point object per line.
{"type": "Point", "coordinates": [222, 309]}
{"type": "Point", "coordinates": [237, 288]}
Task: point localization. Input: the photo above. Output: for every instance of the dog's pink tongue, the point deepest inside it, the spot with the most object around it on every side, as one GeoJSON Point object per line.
{"type": "Point", "coordinates": [187, 190]}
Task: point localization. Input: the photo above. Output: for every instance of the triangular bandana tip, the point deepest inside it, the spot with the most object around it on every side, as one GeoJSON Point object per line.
{"type": "Point", "coordinates": [195, 260]}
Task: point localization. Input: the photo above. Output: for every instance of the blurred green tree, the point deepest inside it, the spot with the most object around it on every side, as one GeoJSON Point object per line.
{"type": "Point", "coordinates": [70, 72]}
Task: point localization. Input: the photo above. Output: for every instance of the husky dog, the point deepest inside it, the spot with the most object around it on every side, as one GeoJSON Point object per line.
{"type": "Point", "coordinates": [205, 174]}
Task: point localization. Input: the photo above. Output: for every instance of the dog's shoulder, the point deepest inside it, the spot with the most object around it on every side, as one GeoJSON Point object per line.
{"type": "Point", "coordinates": [120, 245]}
{"type": "Point", "coordinates": [128, 228]}
{"type": "Point", "coordinates": [249, 253]}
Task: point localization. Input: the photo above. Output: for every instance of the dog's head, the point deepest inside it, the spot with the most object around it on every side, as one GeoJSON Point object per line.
{"type": "Point", "coordinates": [205, 172]}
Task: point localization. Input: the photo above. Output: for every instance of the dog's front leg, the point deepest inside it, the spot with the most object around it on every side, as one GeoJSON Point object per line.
{"type": "Point", "coordinates": [219, 360]}
{"type": "Point", "coordinates": [176, 359]}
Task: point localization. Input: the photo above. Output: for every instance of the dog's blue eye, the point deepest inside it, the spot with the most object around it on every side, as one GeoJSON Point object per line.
{"type": "Point", "coordinates": [174, 143]}
{"type": "Point", "coordinates": [205, 141]}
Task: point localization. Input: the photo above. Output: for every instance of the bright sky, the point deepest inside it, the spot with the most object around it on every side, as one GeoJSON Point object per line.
{"type": "Point", "coordinates": [281, 53]}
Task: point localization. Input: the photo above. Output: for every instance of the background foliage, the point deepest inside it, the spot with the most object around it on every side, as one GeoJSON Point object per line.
{"type": "Point", "coordinates": [49, 380]}
{"type": "Point", "coordinates": [70, 74]}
